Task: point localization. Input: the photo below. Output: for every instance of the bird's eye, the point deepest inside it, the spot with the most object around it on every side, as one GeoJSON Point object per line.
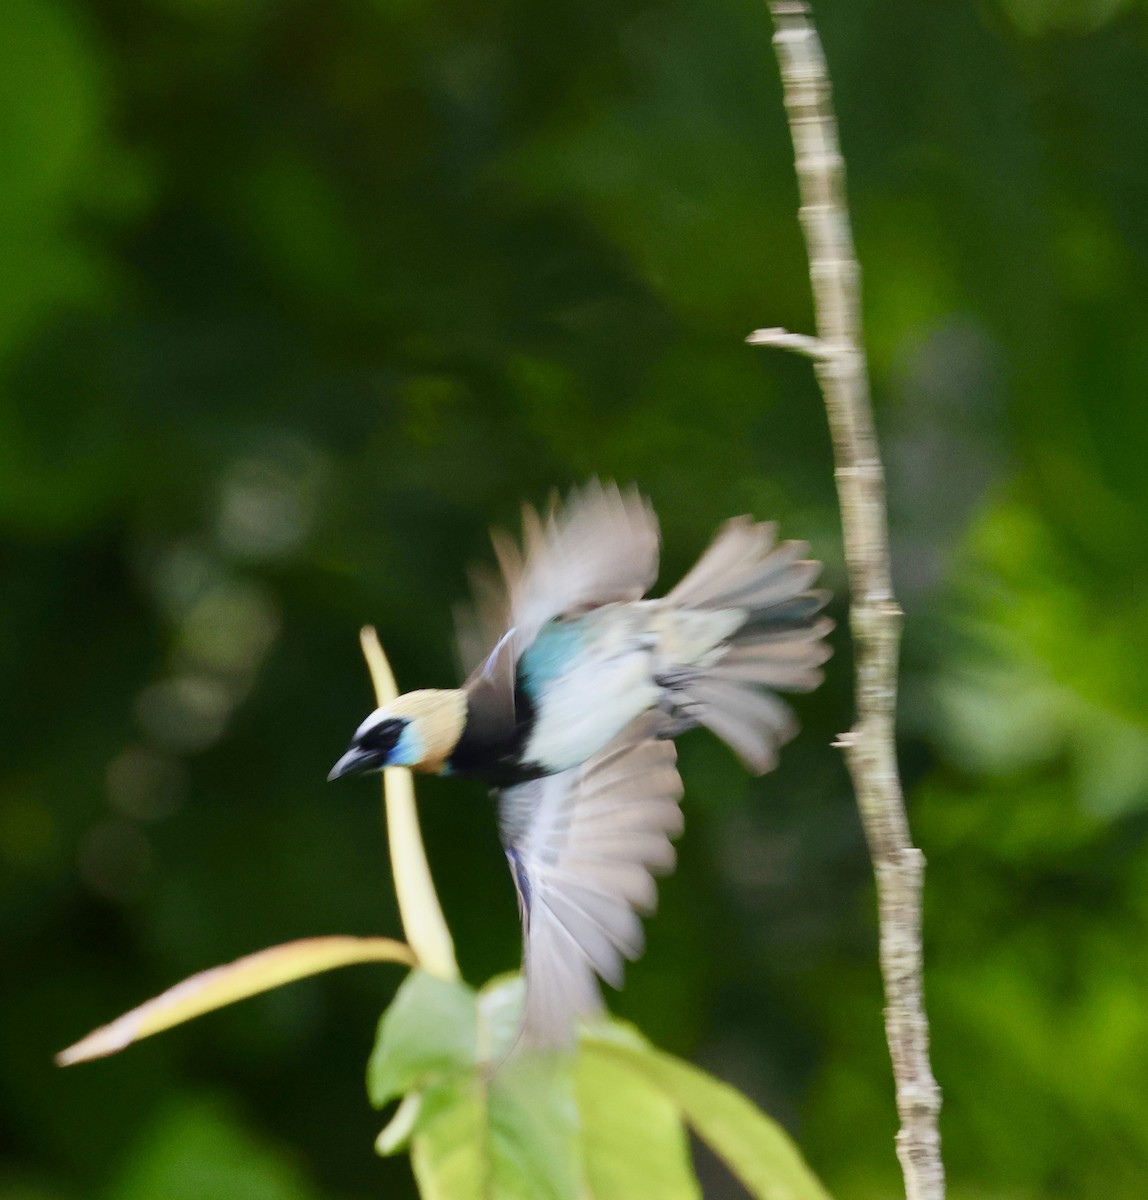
{"type": "Point", "coordinates": [382, 736]}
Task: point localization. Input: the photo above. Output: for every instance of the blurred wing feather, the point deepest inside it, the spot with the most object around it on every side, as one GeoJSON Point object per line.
{"type": "Point", "coordinates": [601, 547]}
{"type": "Point", "coordinates": [583, 846]}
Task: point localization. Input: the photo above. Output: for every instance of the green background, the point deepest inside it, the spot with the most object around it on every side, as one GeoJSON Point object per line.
{"type": "Point", "coordinates": [296, 299]}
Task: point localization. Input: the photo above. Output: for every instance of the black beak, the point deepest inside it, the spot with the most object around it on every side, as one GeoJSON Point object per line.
{"type": "Point", "coordinates": [371, 747]}
{"type": "Point", "coordinates": [356, 761]}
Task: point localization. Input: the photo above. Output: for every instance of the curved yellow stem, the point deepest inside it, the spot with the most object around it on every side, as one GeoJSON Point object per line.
{"type": "Point", "coordinates": [421, 913]}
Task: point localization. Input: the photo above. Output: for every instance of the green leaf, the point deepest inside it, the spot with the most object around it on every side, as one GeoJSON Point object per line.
{"type": "Point", "coordinates": [506, 1127]}
{"type": "Point", "coordinates": [755, 1148]}
{"type": "Point", "coordinates": [500, 1002]}
{"type": "Point", "coordinates": [513, 1137]}
{"type": "Point", "coordinates": [429, 1031]}
{"type": "Point", "coordinates": [533, 1129]}
{"type": "Point", "coordinates": [490, 1119]}
{"type": "Point", "coordinates": [447, 1151]}
{"type": "Point", "coordinates": [634, 1143]}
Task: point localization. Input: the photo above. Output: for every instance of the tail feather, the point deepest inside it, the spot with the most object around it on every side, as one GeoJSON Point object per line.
{"type": "Point", "coordinates": [793, 667]}
{"type": "Point", "coordinates": [793, 613]}
{"type": "Point", "coordinates": [786, 633]}
{"type": "Point", "coordinates": [777, 645]}
{"type": "Point", "coordinates": [776, 585]}
{"type": "Point", "coordinates": [722, 569]}
{"type": "Point", "coordinates": [752, 723]}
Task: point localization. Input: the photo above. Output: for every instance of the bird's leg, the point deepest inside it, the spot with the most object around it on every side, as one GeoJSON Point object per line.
{"type": "Point", "coordinates": [677, 723]}
{"type": "Point", "coordinates": [673, 679]}
{"type": "Point", "coordinates": [680, 712]}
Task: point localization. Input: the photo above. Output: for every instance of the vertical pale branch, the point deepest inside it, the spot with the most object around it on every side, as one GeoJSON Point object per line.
{"type": "Point", "coordinates": [422, 918]}
{"type": "Point", "coordinates": [875, 619]}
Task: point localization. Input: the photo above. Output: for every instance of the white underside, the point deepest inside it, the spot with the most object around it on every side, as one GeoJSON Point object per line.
{"type": "Point", "coordinates": [613, 680]}
{"type": "Point", "coordinates": [586, 707]}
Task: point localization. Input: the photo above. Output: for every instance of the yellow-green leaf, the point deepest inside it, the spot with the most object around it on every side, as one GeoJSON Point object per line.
{"type": "Point", "coordinates": [754, 1147]}
{"type": "Point", "coordinates": [234, 981]}
{"type": "Point", "coordinates": [634, 1144]}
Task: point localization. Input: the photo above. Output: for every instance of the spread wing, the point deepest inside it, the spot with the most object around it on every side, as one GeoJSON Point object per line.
{"type": "Point", "coordinates": [602, 546]}
{"type": "Point", "coordinates": [583, 847]}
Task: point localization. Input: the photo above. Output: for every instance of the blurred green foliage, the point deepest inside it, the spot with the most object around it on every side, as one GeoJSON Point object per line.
{"type": "Point", "coordinates": [298, 298]}
{"type": "Point", "coordinates": [481, 1120]}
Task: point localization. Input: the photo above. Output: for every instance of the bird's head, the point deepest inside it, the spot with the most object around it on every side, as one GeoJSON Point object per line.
{"type": "Point", "coordinates": [418, 730]}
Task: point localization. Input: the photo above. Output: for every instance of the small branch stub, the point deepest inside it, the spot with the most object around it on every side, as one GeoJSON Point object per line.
{"type": "Point", "coordinates": [875, 619]}
{"type": "Point", "coordinates": [799, 343]}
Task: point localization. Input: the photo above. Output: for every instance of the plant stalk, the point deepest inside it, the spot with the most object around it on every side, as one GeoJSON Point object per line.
{"type": "Point", "coordinates": [875, 619]}
{"type": "Point", "coordinates": [423, 922]}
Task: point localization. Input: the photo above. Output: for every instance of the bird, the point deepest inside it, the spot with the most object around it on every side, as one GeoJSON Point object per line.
{"type": "Point", "coordinates": [580, 685]}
